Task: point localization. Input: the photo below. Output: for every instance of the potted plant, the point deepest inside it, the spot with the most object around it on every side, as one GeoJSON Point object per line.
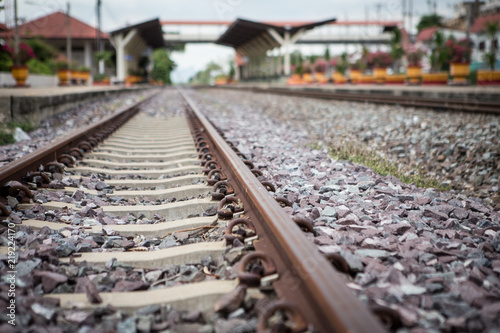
{"type": "Point", "coordinates": [355, 71]}
{"type": "Point", "coordinates": [295, 79]}
{"type": "Point", "coordinates": [439, 59]}
{"type": "Point", "coordinates": [19, 69]}
{"type": "Point", "coordinates": [101, 80]}
{"type": "Point", "coordinates": [320, 70]}
{"type": "Point", "coordinates": [84, 74]}
{"type": "Point", "coordinates": [63, 72]}
{"type": "Point", "coordinates": [307, 74]}
{"type": "Point", "coordinates": [414, 70]}
{"type": "Point", "coordinates": [490, 76]}
{"type": "Point", "coordinates": [460, 59]}
{"type": "Point", "coordinates": [379, 61]}
{"type": "Point", "coordinates": [341, 68]}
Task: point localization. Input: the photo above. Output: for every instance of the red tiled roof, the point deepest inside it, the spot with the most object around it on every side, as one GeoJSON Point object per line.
{"type": "Point", "coordinates": [480, 23]}
{"type": "Point", "coordinates": [426, 34]}
{"type": "Point", "coordinates": [53, 26]}
{"type": "Point", "coordinates": [3, 27]}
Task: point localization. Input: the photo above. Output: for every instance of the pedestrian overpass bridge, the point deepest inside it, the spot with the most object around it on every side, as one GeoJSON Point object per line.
{"type": "Point", "coordinates": [341, 32]}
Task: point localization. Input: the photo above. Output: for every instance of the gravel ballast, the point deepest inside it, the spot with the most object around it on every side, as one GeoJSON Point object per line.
{"type": "Point", "coordinates": [434, 257]}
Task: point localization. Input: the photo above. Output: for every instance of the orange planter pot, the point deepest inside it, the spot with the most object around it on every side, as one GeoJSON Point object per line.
{"type": "Point", "coordinates": [321, 78]}
{"type": "Point", "coordinates": [414, 74]}
{"type": "Point", "coordinates": [338, 78]}
{"type": "Point", "coordinates": [460, 72]}
{"type": "Point", "coordinates": [354, 75]}
{"type": "Point", "coordinates": [85, 76]}
{"type": "Point", "coordinates": [485, 77]}
{"type": "Point", "coordinates": [307, 78]}
{"type": "Point", "coordinates": [295, 79]}
{"type": "Point", "coordinates": [380, 74]}
{"type": "Point", "coordinates": [366, 79]}
{"type": "Point", "coordinates": [76, 77]}
{"type": "Point", "coordinates": [20, 74]}
{"type": "Point", "coordinates": [395, 79]}
{"type": "Point", "coordinates": [64, 75]}
{"type": "Point", "coordinates": [440, 78]}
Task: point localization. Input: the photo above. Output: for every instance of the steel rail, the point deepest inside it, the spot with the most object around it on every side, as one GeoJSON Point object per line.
{"type": "Point", "coordinates": [18, 169]}
{"type": "Point", "coordinates": [306, 278]}
{"type": "Point", "coordinates": [472, 105]}
{"type": "Point", "coordinates": [435, 103]}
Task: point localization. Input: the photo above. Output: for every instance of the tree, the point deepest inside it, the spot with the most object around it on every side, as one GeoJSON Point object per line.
{"type": "Point", "coordinates": [491, 31]}
{"type": "Point", "coordinates": [163, 65]}
{"type": "Point", "coordinates": [206, 76]}
{"type": "Point", "coordinates": [232, 71]}
{"type": "Point", "coordinates": [427, 21]}
{"type": "Point", "coordinates": [106, 56]}
{"type": "Point", "coordinates": [397, 51]}
{"type": "Point", "coordinates": [440, 56]}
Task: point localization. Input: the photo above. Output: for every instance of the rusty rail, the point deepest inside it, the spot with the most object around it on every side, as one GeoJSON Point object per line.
{"type": "Point", "coordinates": [306, 279]}
{"type": "Point", "coordinates": [472, 105]}
{"type": "Point", "coordinates": [18, 169]}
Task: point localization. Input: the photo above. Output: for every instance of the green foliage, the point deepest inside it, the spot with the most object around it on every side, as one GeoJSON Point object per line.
{"type": "Point", "coordinates": [490, 58]}
{"type": "Point", "coordinates": [343, 64]}
{"type": "Point", "coordinates": [327, 54]}
{"type": "Point", "coordinates": [231, 70]}
{"type": "Point", "coordinates": [427, 21]}
{"type": "Point", "coordinates": [5, 61]}
{"type": "Point", "coordinates": [207, 75]}
{"type": "Point", "coordinates": [163, 65]}
{"type": "Point", "coordinates": [491, 31]}
{"type": "Point", "coordinates": [100, 77]}
{"type": "Point", "coordinates": [61, 64]}
{"type": "Point", "coordinates": [440, 56]}
{"type": "Point", "coordinates": [359, 155]}
{"type": "Point", "coordinates": [25, 126]}
{"type": "Point", "coordinates": [397, 51]}
{"type": "Point", "coordinates": [43, 51]}
{"type": "Point", "coordinates": [6, 138]}
{"type": "Point", "coordinates": [106, 56]}
{"type": "Point", "coordinates": [36, 66]}
{"type": "Point", "coordinates": [299, 70]}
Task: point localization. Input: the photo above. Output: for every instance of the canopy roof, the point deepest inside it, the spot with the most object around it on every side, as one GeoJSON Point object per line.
{"type": "Point", "coordinates": [243, 31]}
{"type": "Point", "coordinates": [149, 31]}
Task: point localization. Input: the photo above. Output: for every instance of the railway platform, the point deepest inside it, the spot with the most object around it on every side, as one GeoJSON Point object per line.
{"type": "Point", "coordinates": [482, 93]}
{"type": "Point", "coordinates": [36, 104]}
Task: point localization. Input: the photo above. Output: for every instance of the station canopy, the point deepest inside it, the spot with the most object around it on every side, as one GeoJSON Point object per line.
{"type": "Point", "coordinates": [150, 32]}
{"type": "Point", "coordinates": [130, 43]}
{"type": "Point", "coordinates": [243, 32]}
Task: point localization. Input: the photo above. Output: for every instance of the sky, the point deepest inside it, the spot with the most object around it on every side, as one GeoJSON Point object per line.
{"type": "Point", "coordinates": [117, 14]}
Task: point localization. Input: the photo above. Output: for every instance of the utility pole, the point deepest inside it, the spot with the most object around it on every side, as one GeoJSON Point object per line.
{"type": "Point", "coordinates": [16, 35]}
{"type": "Point", "coordinates": [410, 16]}
{"type": "Point", "coordinates": [379, 10]}
{"type": "Point", "coordinates": [68, 35]}
{"type": "Point", "coordinates": [403, 6]}
{"type": "Point", "coordinates": [100, 45]}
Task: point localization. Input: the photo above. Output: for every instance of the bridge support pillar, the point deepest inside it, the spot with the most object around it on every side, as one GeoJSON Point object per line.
{"type": "Point", "coordinates": [286, 42]}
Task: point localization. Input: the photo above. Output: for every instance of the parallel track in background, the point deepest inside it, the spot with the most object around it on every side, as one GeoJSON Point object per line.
{"type": "Point", "coordinates": [476, 105]}
{"type": "Point", "coordinates": [180, 158]}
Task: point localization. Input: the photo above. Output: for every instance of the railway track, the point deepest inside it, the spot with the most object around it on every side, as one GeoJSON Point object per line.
{"type": "Point", "coordinates": [146, 215]}
{"type": "Point", "coordinates": [472, 105]}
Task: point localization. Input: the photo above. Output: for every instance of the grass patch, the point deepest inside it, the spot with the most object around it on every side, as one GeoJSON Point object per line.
{"type": "Point", "coordinates": [6, 138]}
{"type": "Point", "coordinates": [25, 126]}
{"type": "Point", "coordinates": [359, 155]}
